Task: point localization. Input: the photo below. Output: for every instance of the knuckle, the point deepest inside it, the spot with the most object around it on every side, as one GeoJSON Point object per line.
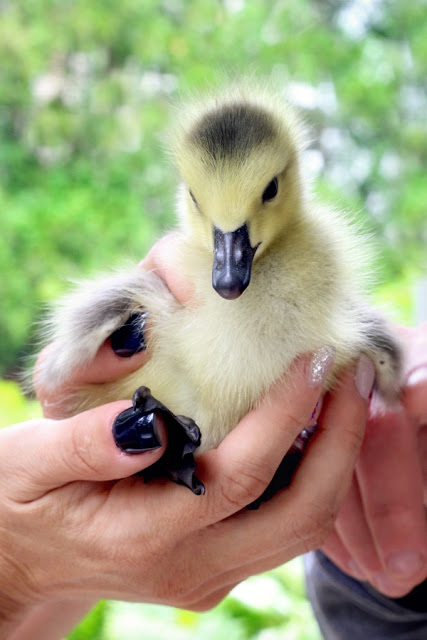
{"type": "Point", "coordinates": [246, 483]}
{"type": "Point", "coordinates": [317, 525]}
{"type": "Point", "coordinates": [354, 437]}
{"type": "Point", "coordinates": [325, 529]}
{"type": "Point", "coordinates": [295, 422]}
{"type": "Point", "coordinates": [318, 537]}
{"type": "Point", "coordinates": [390, 511]}
{"type": "Point", "coordinates": [84, 455]}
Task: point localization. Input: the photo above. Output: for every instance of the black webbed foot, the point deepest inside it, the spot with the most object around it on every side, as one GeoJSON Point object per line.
{"type": "Point", "coordinates": [177, 463]}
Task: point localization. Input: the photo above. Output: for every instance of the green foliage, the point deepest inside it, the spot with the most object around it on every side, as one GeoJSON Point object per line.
{"type": "Point", "coordinates": [14, 407]}
{"type": "Point", "coordinates": [93, 625]}
{"type": "Point", "coordinates": [84, 95]}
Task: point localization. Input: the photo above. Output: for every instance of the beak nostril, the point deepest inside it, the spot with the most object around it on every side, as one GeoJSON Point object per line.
{"type": "Point", "coordinates": [220, 257]}
{"type": "Point", "coordinates": [238, 254]}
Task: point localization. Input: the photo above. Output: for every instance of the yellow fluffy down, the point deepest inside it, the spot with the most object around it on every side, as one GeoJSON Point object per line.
{"type": "Point", "coordinates": [212, 361]}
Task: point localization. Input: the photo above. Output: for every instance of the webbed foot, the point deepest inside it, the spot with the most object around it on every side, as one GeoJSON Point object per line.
{"type": "Point", "coordinates": [177, 463]}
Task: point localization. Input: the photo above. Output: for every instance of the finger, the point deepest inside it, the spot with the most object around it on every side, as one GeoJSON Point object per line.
{"type": "Point", "coordinates": [339, 555]}
{"type": "Point", "coordinates": [243, 465]}
{"type": "Point", "coordinates": [414, 396]}
{"type": "Point", "coordinates": [355, 535]}
{"type": "Point", "coordinates": [163, 258]}
{"type": "Point", "coordinates": [422, 449]}
{"type": "Point", "coordinates": [106, 367]}
{"type": "Point", "coordinates": [415, 372]}
{"type": "Point", "coordinates": [301, 517]}
{"type": "Point", "coordinates": [239, 470]}
{"type": "Point", "coordinates": [414, 341]}
{"type": "Point", "coordinates": [342, 422]}
{"type": "Point", "coordinates": [414, 400]}
{"type": "Point", "coordinates": [391, 490]}
{"type": "Point", "coordinates": [44, 454]}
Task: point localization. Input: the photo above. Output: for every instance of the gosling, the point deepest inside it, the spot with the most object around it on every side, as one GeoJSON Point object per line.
{"type": "Point", "coordinates": [275, 274]}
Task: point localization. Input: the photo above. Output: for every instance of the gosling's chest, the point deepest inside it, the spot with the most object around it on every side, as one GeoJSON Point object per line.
{"type": "Point", "coordinates": [239, 347]}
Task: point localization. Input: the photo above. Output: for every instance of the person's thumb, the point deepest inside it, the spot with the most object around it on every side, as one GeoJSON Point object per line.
{"type": "Point", "coordinates": [42, 455]}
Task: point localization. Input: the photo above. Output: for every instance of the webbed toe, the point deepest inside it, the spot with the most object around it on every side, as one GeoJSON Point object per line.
{"type": "Point", "coordinates": [184, 437]}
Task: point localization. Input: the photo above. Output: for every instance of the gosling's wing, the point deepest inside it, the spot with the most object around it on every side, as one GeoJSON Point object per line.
{"type": "Point", "coordinates": [384, 349]}
{"type": "Point", "coordinates": [87, 316]}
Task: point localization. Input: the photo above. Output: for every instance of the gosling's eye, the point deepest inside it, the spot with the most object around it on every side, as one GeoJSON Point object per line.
{"type": "Point", "coordinates": [193, 199]}
{"type": "Point", "coordinates": [270, 191]}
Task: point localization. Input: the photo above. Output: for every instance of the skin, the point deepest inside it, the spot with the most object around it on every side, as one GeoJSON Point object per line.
{"type": "Point", "coordinates": [380, 534]}
{"type": "Point", "coordinates": [131, 541]}
{"type": "Point", "coordinates": [101, 536]}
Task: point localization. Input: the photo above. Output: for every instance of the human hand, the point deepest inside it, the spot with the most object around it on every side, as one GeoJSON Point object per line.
{"type": "Point", "coordinates": [79, 531]}
{"type": "Point", "coordinates": [72, 529]}
{"type": "Point", "coordinates": [380, 534]}
{"type": "Point", "coordinates": [415, 392]}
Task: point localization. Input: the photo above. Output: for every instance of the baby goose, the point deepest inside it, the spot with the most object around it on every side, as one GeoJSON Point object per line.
{"type": "Point", "coordinates": [275, 274]}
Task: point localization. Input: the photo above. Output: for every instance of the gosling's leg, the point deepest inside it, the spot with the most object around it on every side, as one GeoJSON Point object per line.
{"type": "Point", "coordinates": [177, 463]}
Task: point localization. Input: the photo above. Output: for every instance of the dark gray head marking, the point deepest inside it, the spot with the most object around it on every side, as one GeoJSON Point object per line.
{"type": "Point", "coordinates": [232, 130]}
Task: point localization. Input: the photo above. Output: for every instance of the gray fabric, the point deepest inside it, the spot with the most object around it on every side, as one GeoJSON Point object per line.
{"type": "Point", "coordinates": [349, 610]}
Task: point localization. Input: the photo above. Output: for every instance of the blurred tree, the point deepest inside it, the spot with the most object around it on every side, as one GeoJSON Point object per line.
{"type": "Point", "coordinates": [84, 95]}
{"type": "Point", "coordinates": [85, 89]}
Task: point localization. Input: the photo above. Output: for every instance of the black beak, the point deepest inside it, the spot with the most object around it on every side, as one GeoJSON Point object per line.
{"type": "Point", "coordinates": [233, 255]}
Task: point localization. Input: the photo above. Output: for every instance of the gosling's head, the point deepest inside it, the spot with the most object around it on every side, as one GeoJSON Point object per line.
{"type": "Point", "coordinates": [238, 157]}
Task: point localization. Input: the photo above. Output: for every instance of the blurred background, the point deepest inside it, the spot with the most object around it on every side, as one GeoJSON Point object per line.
{"type": "Point", "coordinates": [85, 93]}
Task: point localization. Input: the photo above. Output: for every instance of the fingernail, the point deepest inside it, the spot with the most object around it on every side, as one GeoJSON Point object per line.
{"type": "Point", "coordinates": [417, 376]}
{"type": "Point", "coordinates": [130, 339]}
{"type": "Point", "coordinates": [405, 564]}
{"type": "Point", "coordinates": [136, 433]}
{"type": "Point", "coordinates": [365, 376]}
{"type": "Point", "coordinates": [320, 366]}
